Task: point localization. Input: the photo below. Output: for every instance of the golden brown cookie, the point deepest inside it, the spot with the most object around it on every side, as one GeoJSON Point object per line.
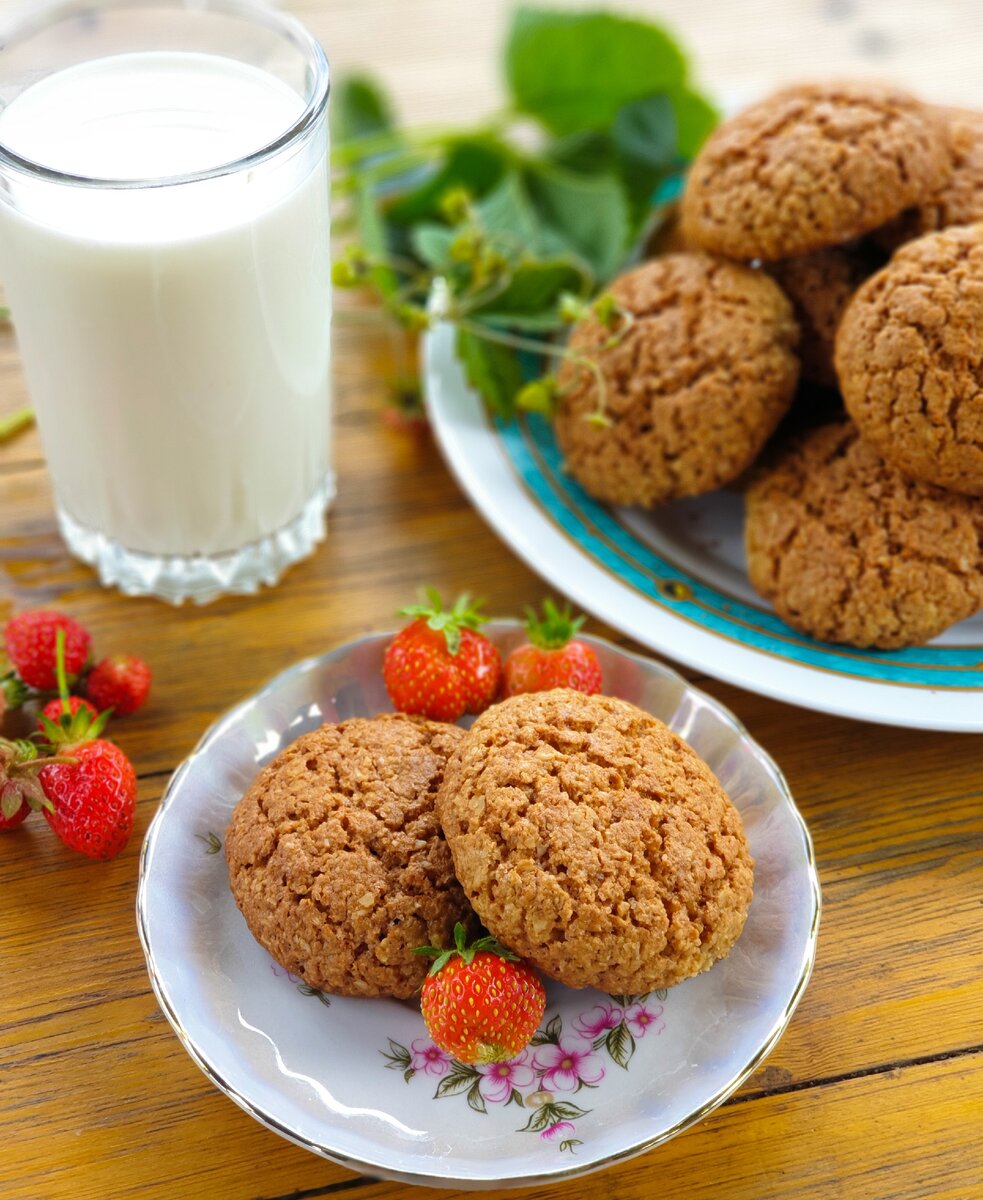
{"type": "Point", "coordinates": [820, 286]}
{"type": "Point", "coordinates": [692, 390]}
{"type": "Point", "coordinates": [812, 166]}
{"type": "Point", "coordinates": [960, 199]}
{"type": "Point", "coordinates": [337, 861]}
{"type": "Point", "coordinates": [850, 550]}
{"type": "Point", "coordinates": [909, 356]}
{"type": "Point", "coordinates": [595, 842]}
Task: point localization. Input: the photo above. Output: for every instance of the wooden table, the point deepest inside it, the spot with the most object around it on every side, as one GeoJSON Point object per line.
{"type": "Point", "coordinates": [877, 1088]}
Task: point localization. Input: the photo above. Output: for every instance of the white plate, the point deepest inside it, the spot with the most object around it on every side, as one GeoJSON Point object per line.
{"type": "Point", "coordinates": [674, 579]}
{"type": "Point", "coordinates": [358, 1081]}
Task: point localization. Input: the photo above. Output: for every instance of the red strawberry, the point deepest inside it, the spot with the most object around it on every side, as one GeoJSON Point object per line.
{"type": "Point", "coordinates": [90, 786]}
{"type": "Point", "coordinates": [552, 657]}
{"type": "Point", "coordinates": [94, 798]}
{"type": "Point", "coordinates": [481, 1003]}
{"type": "Point", "coordinates": [439, 666]}
{"type": "Point", "coordinates": [120, 682]}
{"type": "Point", "coordinates": [30, 638]}
{"type": "Point", "coordinates": [55, 710]}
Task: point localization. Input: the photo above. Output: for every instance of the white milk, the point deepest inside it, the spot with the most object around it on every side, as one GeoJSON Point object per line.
{"type": "Point", "coordinates": [176, 339]}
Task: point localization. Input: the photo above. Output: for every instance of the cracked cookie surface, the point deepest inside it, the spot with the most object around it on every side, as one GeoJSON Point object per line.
{"type": "Point", "coordinates": [909, 356]}
{"type": "Point", "coordinates": [595, 842]}
{"type": "Point", "coordinates": [820, 286]}
{"type": "Point", "coordinates": [850, 550]}
{"type": "Point", "coordinates": [810, 167]}
{"type": "Point", "coordinates": [692, 391]}
{"type": "Point", "coordinates": [337, 861]}
{"type": "Point", "coordinates": [960, 199]}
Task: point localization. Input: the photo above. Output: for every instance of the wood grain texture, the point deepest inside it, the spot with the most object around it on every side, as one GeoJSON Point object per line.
{"type": "Point", "coordinates": [875, 1092]}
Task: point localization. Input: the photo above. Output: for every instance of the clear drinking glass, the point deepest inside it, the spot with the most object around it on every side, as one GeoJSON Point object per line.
{"type": "Point", "coordinates": [164, 248]}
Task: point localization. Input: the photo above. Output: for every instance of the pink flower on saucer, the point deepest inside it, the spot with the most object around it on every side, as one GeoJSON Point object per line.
{"type": "Point", "coordinates": [428, 1058]}
{"type": "Point", "coordinates": [566, 1066]}
{"type": "Point", "coordinates": [500, 1079]}
{"type": "Point", "coordinates": [560, 1129]}
{"type": "Point", "coordinates": [642, 1020]}
{"type": "Point", "coordinates": [598, 1020]}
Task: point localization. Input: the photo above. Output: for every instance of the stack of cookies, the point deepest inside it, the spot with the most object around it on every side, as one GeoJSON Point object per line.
{"type": "Point", "coordinates": [867, 531]}
{"type": "Point", "coordinates": [580, 830]}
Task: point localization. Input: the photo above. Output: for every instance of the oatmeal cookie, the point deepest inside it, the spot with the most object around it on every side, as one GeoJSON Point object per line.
{"type": "Point", "coordinates": [692, 390]}
{"type": "Point", "coordinates": [909, 356]}
{"type": "Point", "coordinates": [850, 550]}
{"type": "Point", "coordinates": [595, 842]}
{"type": "Point", "coordinates": [810, 167]}
{"type": "Point", "coordinates": [337, 861]}
{"type": "Point", "coordinates": [960, 199]}
{"type": "Point", "coordinates": [820, 286]}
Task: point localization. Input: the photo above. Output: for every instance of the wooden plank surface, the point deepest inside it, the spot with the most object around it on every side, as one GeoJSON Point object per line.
{"type": "Point", "coordinates": [876, 1091]}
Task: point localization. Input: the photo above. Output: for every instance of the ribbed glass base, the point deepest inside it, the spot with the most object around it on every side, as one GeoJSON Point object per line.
{"type": "Point", "coordinates": [202, 578]}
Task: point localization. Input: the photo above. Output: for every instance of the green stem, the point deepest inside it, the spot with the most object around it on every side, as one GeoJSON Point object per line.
{"type": "Point", "coordinates": [60, 670]}
{"type": "Point", "coordinates": [16, 423]}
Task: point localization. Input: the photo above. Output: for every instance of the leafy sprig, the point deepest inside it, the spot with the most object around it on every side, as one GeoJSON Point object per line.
{"type": "Point", "coordinates": [523, 233]}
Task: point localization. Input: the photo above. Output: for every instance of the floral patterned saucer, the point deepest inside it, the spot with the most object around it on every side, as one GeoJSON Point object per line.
{"type": "Point", "coordinates": [359, 1081]}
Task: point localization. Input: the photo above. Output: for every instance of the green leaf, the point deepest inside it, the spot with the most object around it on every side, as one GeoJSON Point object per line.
{"type": "Point", "coordinates": [398, 1058]}
{"type": "Point", "coordinates": [508, 212]}
{"type": "Point", "coordinates": [588, 152]}
{"type": "Point", "coordinates": [492, 370]}
{"type": "Point", "coordinates": [645, 132]}
{"type": "Point", "coordinates": [372, 235]}
{"type": "Point", "coordinates": [620, 1044]}
{"type": "Point", "coordinates": [696, 118]}
{"type": "Point", "coordinates": [460, 1078]}
{"type": "Point", "coordinates": [533, 293]}
{"type": "Point", "coordinates": [475, 1098]}
{"type": "Point", "coordinates": [587, 214]}
{"type": "Point", "coordinates": [550, 1034]}
{"type": "Point", "coordinates": [431, 243]}
{"type": "Point", "coordinates": [359, 109]}
{"type": "Point", "coordinates": [574, 71]}
{"type": "Point", "coordinates": [476, 164]}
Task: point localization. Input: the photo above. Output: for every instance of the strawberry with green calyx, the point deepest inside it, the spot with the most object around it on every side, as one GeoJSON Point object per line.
{"type": "Point", "coordinates": [440, 666]}
{"type": "Point", "coordinates": [30, 639]}
{"type": "Point", "coordinates": [13, 693]}
{"type": "Point", "coordinates": [481, 1003]}
{"type": "Point", "coordinates": [56, 711]}
{"type": "Point", "coordinates": [21, 792]}
{"type": "Point", "coordinates": [93, 789]}
{"type": "Point", "coordinates": [552, 657]}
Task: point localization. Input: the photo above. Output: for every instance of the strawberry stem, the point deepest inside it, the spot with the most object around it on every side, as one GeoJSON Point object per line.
{"type": "Point", "coordinates": [462, 950]}
{"type": "Point", "coordinates": [554, 629]}
{"type": "Point", "coordinates": [60, 669]}
{"type": "Point", "coordinates": [464, 615]}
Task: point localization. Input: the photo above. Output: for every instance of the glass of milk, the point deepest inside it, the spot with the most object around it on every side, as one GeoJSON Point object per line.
{"type": "Point", "coordinates": [164, 229]}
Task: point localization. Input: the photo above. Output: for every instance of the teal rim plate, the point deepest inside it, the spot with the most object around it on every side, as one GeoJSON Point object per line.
{"type": "Point", "coordinates": [674, 579]}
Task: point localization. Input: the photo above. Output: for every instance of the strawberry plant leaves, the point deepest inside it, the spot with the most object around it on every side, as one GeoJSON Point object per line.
{"type": "Point", "coordinates": [359, 109]}
{"type": "Point", "coordinates": [476, 164]}
{"type": "Point", "coordinates": [492, 370]}
{"type": "Point", "coordinates": [432, 244]}
{"type": "Point", "coordinates": [620, 1044]}
{"type": "Point", "coordinates": [531, 295]}
{"type": "Point", "coordinates": [696, 118]}
{"type": "Point", "coordinates": [573, 71]}
{"type": "Point", "coordinates": [644, 132]}
{"type": "Point", "coordinates": [586, 213]}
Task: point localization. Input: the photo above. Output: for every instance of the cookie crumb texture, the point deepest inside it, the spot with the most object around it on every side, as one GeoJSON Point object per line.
{"type": "Point", "coordinates": [811, 167]}
{"type": "Point", "coordinates": [337, 861]}
{"type": "Point", "coordinates": [909, 356]}
{"type": "Point", "coordinates": [960, 199]}
{"type": "Point", "coordinates": [820, 286]}
{"type": "Point", "coordinates": [595, 842]}
{"type": "Point", "coordinates": [694, 388]}
{"type": "Point", "coordinates": [850, 550]}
